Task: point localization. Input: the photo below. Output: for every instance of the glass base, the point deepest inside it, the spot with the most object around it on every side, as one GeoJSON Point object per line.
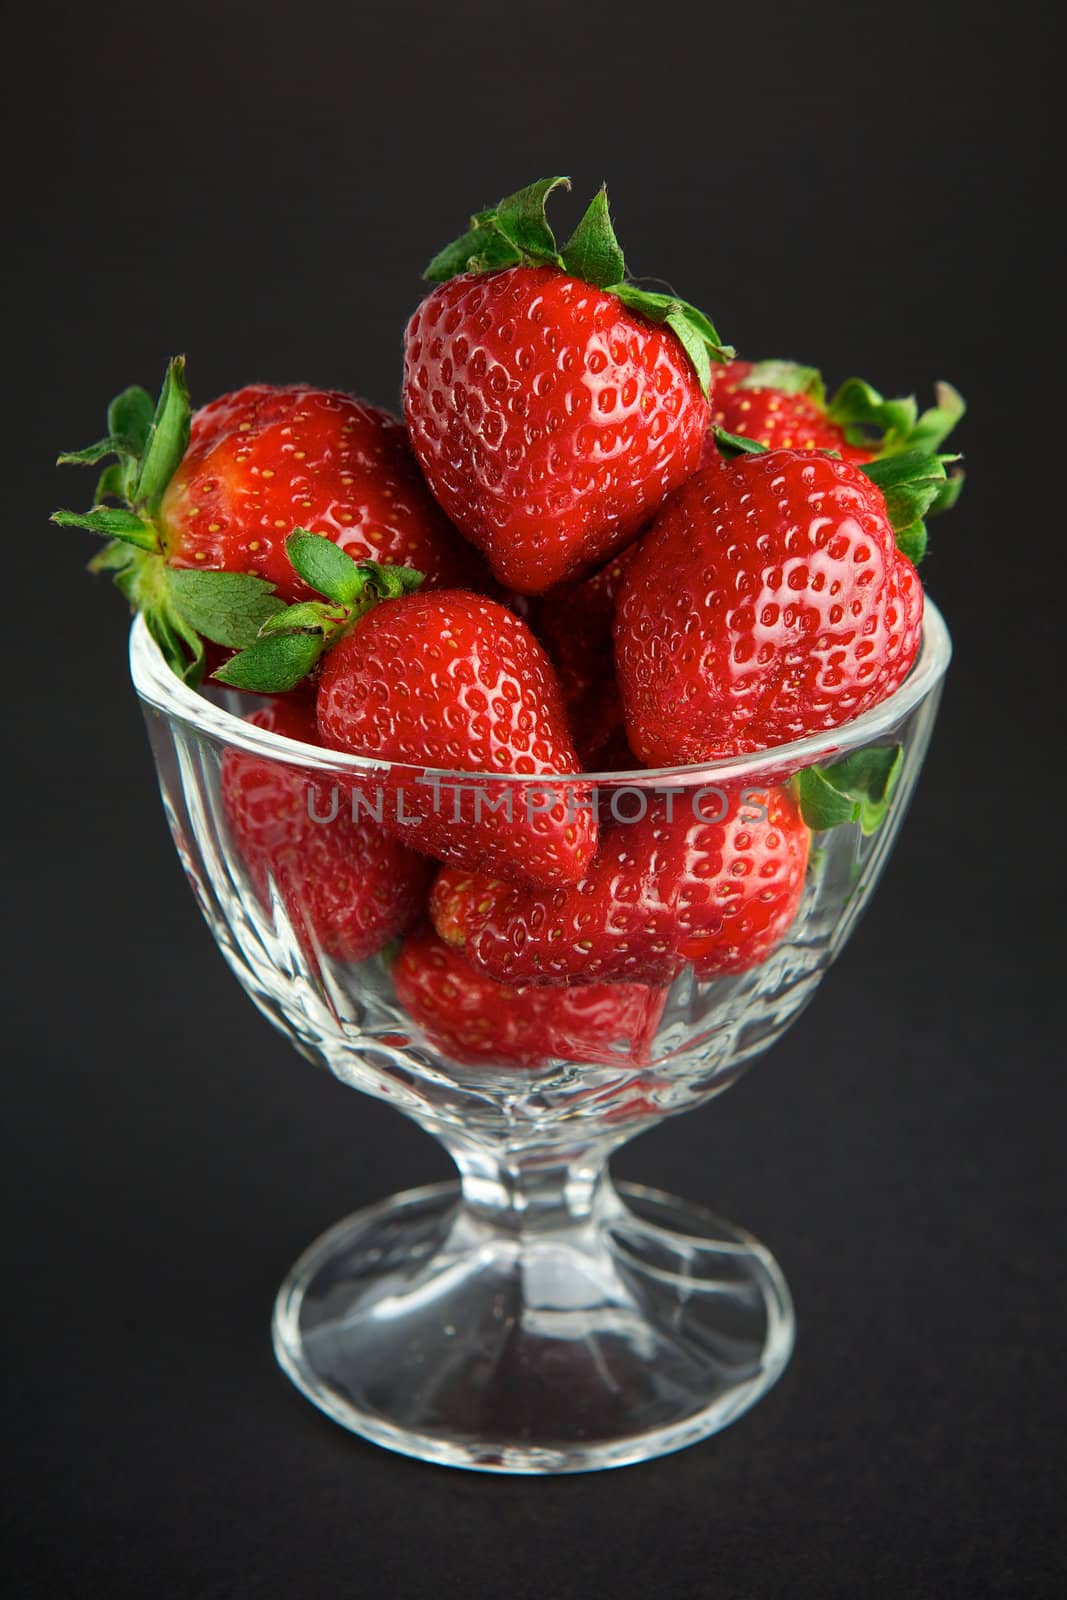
{"type": "Point", "coordinates": [640, 1329]}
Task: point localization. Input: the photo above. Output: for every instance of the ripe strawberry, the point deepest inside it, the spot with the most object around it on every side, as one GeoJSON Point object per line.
{"type": "Point", "coordinates": [574, 624]}
{"type": "Point", "coordinates": [219, 494]}
{"type": "Point", "coordinates": [552, 405]}
{"type": "Point", "coordinates": [784, 407]}
{"type": "Point", "coordinates": [449, 681]}
{"type": "Point", "coordinates": [476, 1021]}
{"type": "Point", "coordinates": [667, 889]}
{"type": "Point", "coordinates": [770, 601]}
{"type": "Point", "coordinates": [346, 885]}
{"type": "Point", "coordinates": [779, 405]}
{"type": "Point", "coordinates": [264, 460]}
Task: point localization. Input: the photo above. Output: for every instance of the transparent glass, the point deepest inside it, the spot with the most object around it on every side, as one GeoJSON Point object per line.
{"type": "Point", "coordinates": [531, 1317]}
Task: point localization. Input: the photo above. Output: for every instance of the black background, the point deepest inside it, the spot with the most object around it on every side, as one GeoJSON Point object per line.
{"type": "Point", "coordinates": [869, 188]}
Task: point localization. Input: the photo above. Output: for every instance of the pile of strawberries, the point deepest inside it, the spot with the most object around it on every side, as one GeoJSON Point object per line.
{"type": "Point", "coordinates": [596, 542]}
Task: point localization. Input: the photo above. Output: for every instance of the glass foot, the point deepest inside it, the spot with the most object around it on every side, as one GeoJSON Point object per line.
{"type": "Point", "coordinates": [644, 1328]}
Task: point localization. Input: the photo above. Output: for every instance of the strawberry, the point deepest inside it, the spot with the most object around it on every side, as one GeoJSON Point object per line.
{"type": "Point", "coordinates": [784, 407]}
{"type": "Point", "coordinates": [450, 681]}
{"type": "Point", "coordinates": [551, 404]}
{"type": "Point", "coordinates": [574, 624]}
{"type": "Point", "coordinates": [770, 601]}
{"type": "Point", "coordinates": [701, 876]}
{"type": "Point", "coordinates": [348, 888]}
{"type": "Point", "coordinates": [780, 405]}
{"type": "Point", "coordinates": [220, 492]}
{"type": "Point", "coordinates": [481, 1023]}
{"type": "Point", "coordinates": [263, 460]}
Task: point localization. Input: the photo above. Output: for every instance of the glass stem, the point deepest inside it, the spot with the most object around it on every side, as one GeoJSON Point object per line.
{"type": "Point", "coordinates": [532, 1192]}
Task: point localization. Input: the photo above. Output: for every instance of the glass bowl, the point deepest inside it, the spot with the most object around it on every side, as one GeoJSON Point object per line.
{"type": "Point", "coordinates": [531, 1317]}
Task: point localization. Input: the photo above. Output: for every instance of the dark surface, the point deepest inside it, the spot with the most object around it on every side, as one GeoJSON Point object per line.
{"type": "Point", "coordinates": [261, 187]}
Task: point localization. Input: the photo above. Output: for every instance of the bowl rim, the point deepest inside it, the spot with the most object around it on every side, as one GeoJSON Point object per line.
{"type": "Point", "coordinates": [157, 686]}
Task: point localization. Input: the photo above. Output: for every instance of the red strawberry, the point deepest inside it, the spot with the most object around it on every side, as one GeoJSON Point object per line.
{"type": "Point", "coordinates": [779, 405]}
{"type": "Point", "coordinates": [199, 539]}
{"type": "Point", "coordinates": [552, 405]}
{"type": "Point", "coordinates": [783, 406]}
{"type": "Point", "coordinates": [574, 624]}
{"type": "Point", "coordinates": [448, 681]}
{"type": "Point", "coordinates": [767, 602]}
{"type": "Point", "coordinates": [474, 1020]}
{"type": "Point", "coordinates": [264, 460]}
{"type": "Point", "coordinates": [454, 681]}
{"type": "Point", "coordinates": [665, 890]}
{"type": "Point", "coordinates": [347, 887]}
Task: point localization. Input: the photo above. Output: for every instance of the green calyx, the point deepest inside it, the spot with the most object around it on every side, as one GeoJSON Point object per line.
{"type": "Point", "coordinates": [870, 421]}
{"type": "Point", "coordinates": [147, 440]}
{"type": "Point", "coordinates": [893, 427]}
{"type": "Point", "coordinates": [914, 484]}
{"type": "Point", "coordinates": [867, 418]}
{"type": "Point", "coordinates": [291, 639]}
{"type": "Point", "coordinates": [182, 608]}
{"type": "Point", "coordinates": [516, 232]}
{"type": "Point", "coordinates": [857, 790]}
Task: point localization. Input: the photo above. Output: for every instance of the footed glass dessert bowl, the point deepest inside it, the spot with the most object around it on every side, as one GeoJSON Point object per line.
{"type": "Point", "coordinates": [532, 1317]}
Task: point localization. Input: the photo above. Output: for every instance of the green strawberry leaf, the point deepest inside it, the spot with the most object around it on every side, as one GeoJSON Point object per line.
{"type": "Point", "coordinates": [329, 571]}
{"type": "Point", "coordinates": [698, 337]}
{"type": "Point", "coordinates": [912, 540]}
{"type": "Point", "coordinates": [227, 607]}
{"type": "Point", "coordinates": [110, 485]}
{"type": "Point", "coordinates": [948, 493]}
{"type": "Point", "coordinates": [90, 455]}
{"type": "Point", "coordinates": [273, 664]}
{"type": "Point", "coordinates": [324, 567]}
{"type": "Point", "coordinates": [935, 425]}
{"type": "Point", "coordinates": [516, 232]}
{"type": "Point", "coordinates": [481, 250]}
{"type": "Point", "coordinates": [521, 219]}
{"type": "Point", "coordinates": [291, 639]}
{"type": "Point", "coordinates": [129, 417]}
{"type": "Point", "coordinates": [307, 616]}
{"type": "Point", "coordinates": [858, 406]}
{"type": "Point", "coordinates": [735, 444]}
{"type": "Point", "coordinates": [182, 647]}
{"type": "Point", "coordinates": [894, 427]}
{"type": "Point", "coordinates": [113, 523]}
{"type": "Point", "coordinates": [592, 252]}
{"type": "Point", "coordinates": [116, 557]}
{"type": "Point", "coordinates": [858, 789]}
{"type": "Point", "coordinates": [912, 483]}
{"type": "Point", "coordinates": [391, 582]}
{"type": "Point", "coordinates": [694, 345]}
{"type": "Point", "coordinates": [788, 377]}
{"type": "Point", "coordinates": [168, 438]}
